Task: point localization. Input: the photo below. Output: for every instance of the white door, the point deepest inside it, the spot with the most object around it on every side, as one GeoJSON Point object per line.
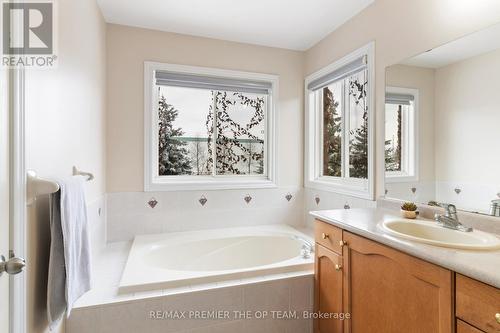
{"type": "Point", "coordinates": [4, 199]}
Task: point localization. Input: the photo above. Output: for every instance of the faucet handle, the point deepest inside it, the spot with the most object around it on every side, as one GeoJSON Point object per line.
{"type": "Point", "coordinates": [450, 210]}
{"type": "Point", "coordinates": [448, 207]}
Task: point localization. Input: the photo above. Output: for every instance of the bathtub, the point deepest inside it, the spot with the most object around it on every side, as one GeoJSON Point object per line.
{"type": "Point", "coordinates": [169, 260]}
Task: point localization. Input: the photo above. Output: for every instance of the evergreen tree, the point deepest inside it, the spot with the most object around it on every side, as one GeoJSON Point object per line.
{"type": "Point", "coordinates": [358, 157]}
{"type": "Point", "coordinates": [393, 147]}
{"type": "Point", "coordinates": [332, 136]}
{"type": "Point", "coordinates": [390, 160]}
{"type": "Point", "coordinates": [172, 154]}
{"type": "Point", "coordinates": [260, 166]}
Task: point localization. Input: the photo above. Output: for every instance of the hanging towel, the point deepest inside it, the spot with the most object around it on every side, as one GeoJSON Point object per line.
{"type": "Point", "coordinates": [69, 261]}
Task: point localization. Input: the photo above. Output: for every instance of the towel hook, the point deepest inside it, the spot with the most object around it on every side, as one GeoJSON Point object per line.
{"type": "Point", "coordinates": [77, 172]}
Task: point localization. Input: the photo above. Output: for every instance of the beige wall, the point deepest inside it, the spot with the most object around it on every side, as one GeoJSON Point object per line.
{"type": "Point", "coordinates": [401, 29]}
{"type": "Point", "coordinates": [65, 126]}
{"type": "Point", "coordinates": [128, 48]}
{"type": "Point", "coordinates": [421, 79]}
{"type": "Point", "coordinates": [414, 26]}
{"type": "Point", "coordinates": [468, 119]}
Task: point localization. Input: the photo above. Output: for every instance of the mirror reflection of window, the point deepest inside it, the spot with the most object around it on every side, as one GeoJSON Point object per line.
{"type": "Point", "coordinates": [454, 149]}
{"type": "Point", "coordinates": [393, 128]}
{"type": "Point", "coordinates": [400, 135]}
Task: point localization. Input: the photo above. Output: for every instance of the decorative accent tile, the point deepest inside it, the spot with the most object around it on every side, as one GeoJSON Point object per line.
{"type": "Point", "coordinates": [346, 206]}
{"type": "Point", "coordinates": [152, 202]}
{"type": "Point", "coordinates": [174, 210]}
{"type": "Point", "coordinates": [317, 199]}
{"type": "Point", "coordinates": [386, 191]}
{"type": "Point", "coordinates": [457, 190]}
{"type": "Point", "coordinates": [202, 200]}
{"type": "Point", "coordinates": [288, 197]}
{"type": "Point", "coordinates": [247, 198]}
{"type": "Point", "coordinates": [413, 190]}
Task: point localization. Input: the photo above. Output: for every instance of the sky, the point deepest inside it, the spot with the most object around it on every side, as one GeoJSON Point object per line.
{"type": "Point", "coordinates": [193, 105]}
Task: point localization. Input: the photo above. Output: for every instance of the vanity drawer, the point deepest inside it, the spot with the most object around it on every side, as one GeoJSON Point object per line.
{"type": "Point", "coordinates": [329, 236]}
{"type": "Point", "coordinates": [477, 303]}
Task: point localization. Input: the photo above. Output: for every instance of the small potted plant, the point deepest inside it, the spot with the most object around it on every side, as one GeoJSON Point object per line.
{"type": "Point", "coordinates": [409, 210]}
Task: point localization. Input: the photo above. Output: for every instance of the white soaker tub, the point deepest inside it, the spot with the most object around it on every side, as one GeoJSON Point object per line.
{"type": "Point", "coordinates": [170, 260]}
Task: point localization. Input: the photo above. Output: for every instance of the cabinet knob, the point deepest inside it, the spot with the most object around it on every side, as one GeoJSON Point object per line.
{"type": "Point", "coordinates": [342, 243]}
{"type": "Point", "coordinates": [338, 267]}
{"type": "Point", "coordinates": [497, 317]}
{"type": "Point", "coordinates": [325, 236]}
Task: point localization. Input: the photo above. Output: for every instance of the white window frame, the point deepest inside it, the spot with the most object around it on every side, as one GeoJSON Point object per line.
{"type": "Point", "coordinates": [361, 188]}
{"type": "Point", "coordinates": [154, 182]}
{"type": "Point", "coordinates": [409, 147]}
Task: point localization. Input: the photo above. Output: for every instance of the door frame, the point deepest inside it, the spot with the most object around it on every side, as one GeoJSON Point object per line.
{"type": "Point", "coordinates": [17, 190]}
{"type": "Point", "coordinates": [17, 200]}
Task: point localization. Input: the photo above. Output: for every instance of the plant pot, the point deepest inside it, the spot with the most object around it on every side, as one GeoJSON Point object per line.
{"type": "Point", "coordinates": [407, 214]}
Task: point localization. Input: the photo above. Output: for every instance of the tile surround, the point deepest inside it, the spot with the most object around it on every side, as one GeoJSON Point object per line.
{"type": "Point", "coordinates": [321, 200]}
{"type": "Point", "coordinates": [293, 293]}
{"type": "Point", "coordinates": [424, 191]}
{"type": "Point", "coordinates": [128, 213]}
{"type": "Point", "coordinates": [96, 214]}
{"type": "Point", "coordinates": [466, 196]}
{"type": "Point", "coordinates": [124, 215]}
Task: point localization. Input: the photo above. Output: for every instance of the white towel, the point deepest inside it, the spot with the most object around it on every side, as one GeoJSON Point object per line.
{"type": "Point", "coordinates": [69, 262]}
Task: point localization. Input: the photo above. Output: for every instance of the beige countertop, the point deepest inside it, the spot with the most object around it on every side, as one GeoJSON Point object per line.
{"type": "Point", "coordinates": [480, 265]}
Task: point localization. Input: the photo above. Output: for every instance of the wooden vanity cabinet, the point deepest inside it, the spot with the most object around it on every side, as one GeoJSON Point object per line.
{"type": "Point", "coordinates": [388, 291]}
{"type": "Point", "coordinates": [478, 305]}
{"type": "Point", "coordinates": [327, 288]}
{"type": "Point", "coordinates": [328, 277]}
{"type": "Point", "coordinates": [383, 290]}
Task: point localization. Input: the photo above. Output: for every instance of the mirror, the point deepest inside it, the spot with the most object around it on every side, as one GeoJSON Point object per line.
{"type": "Point", "coordinates": [442, 125]}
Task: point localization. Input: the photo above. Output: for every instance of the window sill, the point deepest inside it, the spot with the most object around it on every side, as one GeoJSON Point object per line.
{"type": "Point", "coordinates": [197, 185]}
{"type": "Point", "coordinates": [345, 188]}
{"type": "Point", "coordinates": [401, 178]}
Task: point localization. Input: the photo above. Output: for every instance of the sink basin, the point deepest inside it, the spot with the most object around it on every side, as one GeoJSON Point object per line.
{"type": "Point", "coordinates": [431, 233]}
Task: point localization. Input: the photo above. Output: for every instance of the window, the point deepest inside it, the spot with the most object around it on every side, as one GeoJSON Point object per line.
{"type": "Point", "coordinates": [338, 128]}
{"type": "Point", "coordinates": [400, 134]}
{"type": "Point", "coordinates": [208, 128]}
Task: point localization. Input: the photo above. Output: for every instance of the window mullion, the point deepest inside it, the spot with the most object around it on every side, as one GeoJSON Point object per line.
{"type": "Point", "coordinates": [321, 128]}
{"type": "Point", "coordinates": [406, 136]}
{"type": "Point", "coordinates": [266, 138]}
{"type": "Point", "coordinates": [345, 130]}
{"type": "Point", "coordinates": [214, 134]}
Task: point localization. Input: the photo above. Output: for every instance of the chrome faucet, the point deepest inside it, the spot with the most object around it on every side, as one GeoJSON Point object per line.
{"type": "Point", "coordinates": [307, 247]}
{"type": "Point", "coordinates": [450, 218]}
{"type": "Point", "coordinates": [495, 207]}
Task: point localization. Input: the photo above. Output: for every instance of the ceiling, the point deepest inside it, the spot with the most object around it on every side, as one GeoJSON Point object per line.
{"type": "Point", "coordinates": [290, 24]}
{"type": "Point", "coordinates": [472, 45]}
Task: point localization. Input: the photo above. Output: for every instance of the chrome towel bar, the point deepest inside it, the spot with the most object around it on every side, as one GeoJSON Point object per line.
{"type": "Point", "coordinates": [36, 186]}
{"type": "Point", "coordinates": [77, 172]}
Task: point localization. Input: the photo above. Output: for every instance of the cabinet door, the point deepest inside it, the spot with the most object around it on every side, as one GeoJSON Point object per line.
{"type": "Point", "coordinates": [327, 289]}
{"type": "Point", "coordinates": [463, 327]}
{"type": "Point", "coordinates": [387, 291]}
